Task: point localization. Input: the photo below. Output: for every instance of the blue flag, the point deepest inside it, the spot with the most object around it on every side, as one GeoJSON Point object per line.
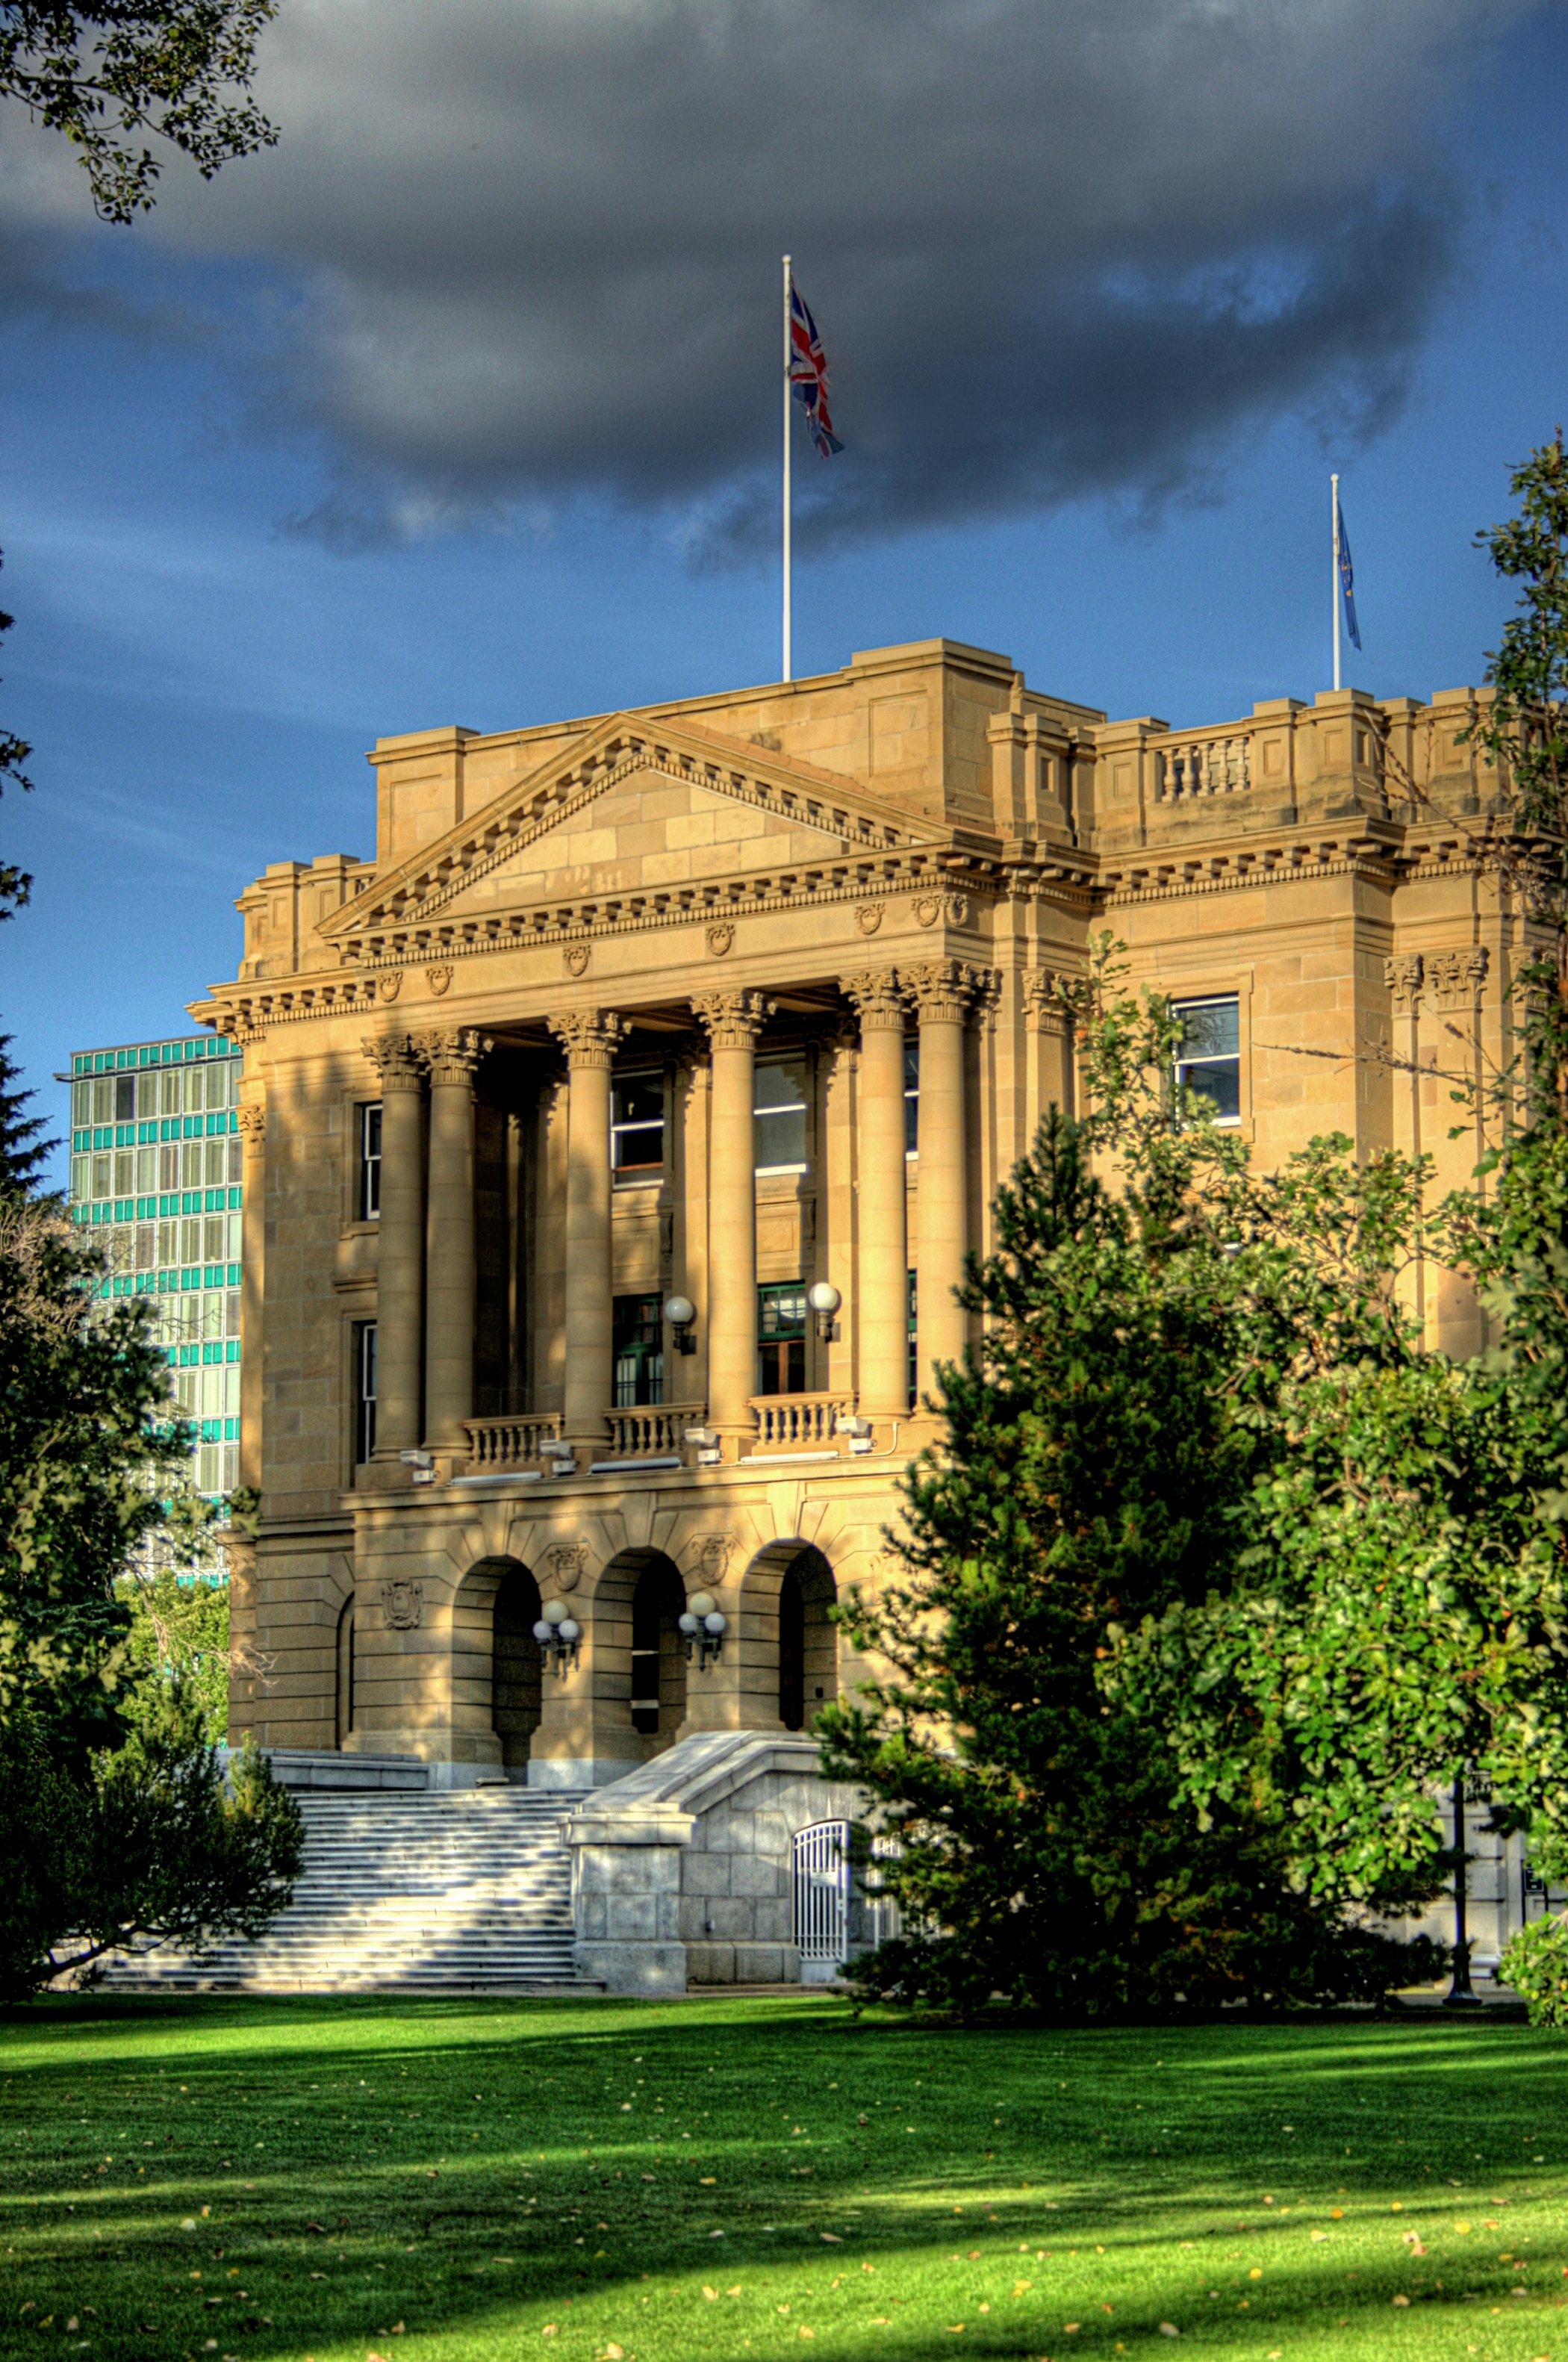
{"type": "Point", "coordinates": [1347, 575]}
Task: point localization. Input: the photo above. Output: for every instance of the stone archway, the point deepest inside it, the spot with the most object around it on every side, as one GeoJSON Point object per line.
{"type": "Point", "coordinates": [791, 1644]}
{"type": "Point", "coordinates": [636, 1655]}
{"type": "Point", "coordinates": [497, 1664]}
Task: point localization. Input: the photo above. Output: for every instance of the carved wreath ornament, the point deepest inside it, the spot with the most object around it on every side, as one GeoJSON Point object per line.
{"type": "Point", "coordinates": [568, 1564]}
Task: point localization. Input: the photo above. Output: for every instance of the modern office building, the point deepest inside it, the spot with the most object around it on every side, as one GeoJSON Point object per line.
{"type": "Point", "coordinates": [156, 1174]}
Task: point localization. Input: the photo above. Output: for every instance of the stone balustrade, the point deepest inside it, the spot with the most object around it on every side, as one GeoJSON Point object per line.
{"type": "Point", "coordinates": [497, 1443]}
{"type": "Point", "coordinates": [799, 1423]}
{"type": "Point", "coordinates": [651, 1431]}
{"type": "Point", "coordinates": [1204, 763]}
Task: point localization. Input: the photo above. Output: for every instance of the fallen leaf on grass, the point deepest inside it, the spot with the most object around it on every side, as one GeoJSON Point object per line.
{"type": "Point", "coordinates": [712, 2295]}
{"type": "Point", "coordinates": [832, 2238]}
{"type": "Point", "coordinates": [1402, 2300]}
{"type": "Point", "coordinates": [1169, 2329]}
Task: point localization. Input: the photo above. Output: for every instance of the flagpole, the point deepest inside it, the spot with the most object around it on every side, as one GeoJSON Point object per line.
{"type": "Point", "coordinates": [789, 652]}
{"type": "Point", "coordinates": [1334, 570]}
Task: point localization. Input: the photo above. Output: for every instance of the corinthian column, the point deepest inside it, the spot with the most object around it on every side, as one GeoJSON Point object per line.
{"type": "Point", "coordinates": [399, 1250]}
{"type": "Point", "coordinates": [451, 1057]}
{"type": "Point", "coordinates": [882, 1284]}
{"type": "Point", "coordinates": [941, 991]}
{"type": "Point", "coordinates": [733, 1021]}
{"type": "Point", "coordinates": [589, 1036]}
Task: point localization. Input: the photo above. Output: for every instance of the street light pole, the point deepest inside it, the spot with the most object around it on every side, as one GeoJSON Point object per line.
{"type": "Point", "coordinates": [1459, 1994]}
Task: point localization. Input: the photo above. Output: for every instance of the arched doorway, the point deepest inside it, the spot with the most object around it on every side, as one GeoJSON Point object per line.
{"type": "Point", "coordinates": [344, 1717]}
{"type": "Point", "coordinates": [497, 1664]}
{"type": "Point", "coordinates": [786, 1598]}
{"type": "Point", "coordinates": [517, 1666]}
{"type": "Point", "coordinates": [659, 1655]}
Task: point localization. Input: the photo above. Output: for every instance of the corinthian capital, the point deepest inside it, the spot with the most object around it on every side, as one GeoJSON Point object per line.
{"type": "Point", "coordinates": [877, 999]}
{"type": "Point", "coordinates": [941, 989]}
{"type": "Point", "coordinates": [588, 1035]}
{"type": "Point", "coordinates": [1044, 1006]}
{"type": "Point", "coordinates": [733, 1019]}
{"type": "Point", "coordinates": [394, 1059]}
{"type": "Point", "coordinates": [253, 1129]}
{"type": "Point", "coordinates": [451, 1055]}
{"type": "Point", "coordinates": [1404, 978]}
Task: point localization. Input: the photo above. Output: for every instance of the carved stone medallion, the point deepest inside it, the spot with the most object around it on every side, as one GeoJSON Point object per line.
{"type": "Point", "coordinates": [439, 979]}
{"type": "Point", "coordinates": [577, 958]}
{"type": "Point", "coordinates": [721, 939]}
{"type": "Point", "coordinates": [568, 1562]}
{"type": "Point", "coordinates": [868, 917]}
{"type": "Point", "coordinates": [389, 986]}
{"type": "Point", "coordinates": [403, 1604]}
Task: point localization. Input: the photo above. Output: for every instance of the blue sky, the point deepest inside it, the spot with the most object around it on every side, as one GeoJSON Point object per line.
{"type": "Point", "coordinates": [233, 568]}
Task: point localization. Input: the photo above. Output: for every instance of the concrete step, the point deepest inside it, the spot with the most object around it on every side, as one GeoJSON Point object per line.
{"type": "Point", "coordinates": [459, 1889]}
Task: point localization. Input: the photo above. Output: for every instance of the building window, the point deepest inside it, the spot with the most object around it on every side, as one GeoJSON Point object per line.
{"type": "Point", "coordinates": [914, 1340]}
{"type": "Point", "coordinates": [124, 1098]}
{"type": "Point", "coordinates": [370, 1161]}
{"type": "Point", "coordinates": [636, 1127]}
{"type": "Point", "coordinates": [779, 1102]}
{"type": "Point", "coordinates": [639, 1351]}
{"type": "Point", "coordinates": [912, 1094]}
{"type": "Point", "coordinates": [781, 1338]}
{"type": "Point", "coordinates": [1209, 1056]}
{"type": "Point", "coordinates": [364, 1390]}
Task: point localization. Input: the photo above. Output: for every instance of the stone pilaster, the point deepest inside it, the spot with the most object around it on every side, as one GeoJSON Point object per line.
{"type": "Point", "coordinates": [399, 1252]}
{"type": "Point", "coordinates": [589, 1037]}
{"type": "Point", "coordinates": [451, 1058]}
{"type": "Point", "coordinates": [733, 1022]}
{"type": "Point", "coordinates": [941, 991]}
{"type": "Point", "coordinates": [882, 1277]}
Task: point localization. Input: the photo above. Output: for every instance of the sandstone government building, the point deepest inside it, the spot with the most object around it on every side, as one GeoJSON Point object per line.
{"type": "Point", "coordinates": [639, 1028]}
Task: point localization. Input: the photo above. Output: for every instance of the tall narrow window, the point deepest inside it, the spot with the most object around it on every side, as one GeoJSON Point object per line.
{"type": "Point", "coordinates": [638, 1341]}
{"type": "Point", "coordinates": [912, 1094]}
{"type": "Point", "coordinates": [781, 1338]}
{"type": "Point", "coordinates": [364, 1390]}
{"type": "Point", "coordinates": [914, 1340]}
{"type": "Point", "coordinates": [1209, 1056]}
{"type": "Point", "coordinates": [636, 1127]}
{"type": "Point", "coordinates": [780, 1103]}
{"type": "Point", "coordinates": [370, 1161]}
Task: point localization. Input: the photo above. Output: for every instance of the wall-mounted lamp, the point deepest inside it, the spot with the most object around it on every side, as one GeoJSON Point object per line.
{"type": "Point", "coordinates": [858, 1431]}
{"type": "Point", "coordinates": [704, 1627]}
{"type": "Point", "coordinates": [680, 1312]}
{"type": "Point", "coordinates": [559, 1632]}
{"type": "Point", "coordinates": [559, 1458]}
{"type": "Point", "coordinates": [421, 1466]}
{"type": "Point", "coordinates": [824, 1300]}
{"type": "Point", "coordinates": [706, 1440]}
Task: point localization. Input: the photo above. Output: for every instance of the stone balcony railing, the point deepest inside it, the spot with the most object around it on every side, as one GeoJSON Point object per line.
{"type": "Point", "coordinates": [498, 1443]}
{"type": "Point", "coordinates": [1203, 763]}
{"type": "Point", "coordinates": [799, 1422]}
{"type": "Point", "coordinates": [651, 1431]}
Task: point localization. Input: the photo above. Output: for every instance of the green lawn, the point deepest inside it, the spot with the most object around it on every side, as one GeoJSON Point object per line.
{"type": "Point", "coordinates": [437, 2182]}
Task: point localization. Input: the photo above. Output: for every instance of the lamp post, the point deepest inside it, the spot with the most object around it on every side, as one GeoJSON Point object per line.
{"type": "Point", "coordinates": [824, 1300]}
{"type": "Point", "coordinates": [1459, 1994]}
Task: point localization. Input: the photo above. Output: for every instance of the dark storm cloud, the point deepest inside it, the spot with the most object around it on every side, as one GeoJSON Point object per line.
{"type": "Point", "coordinates": [1056, 249]}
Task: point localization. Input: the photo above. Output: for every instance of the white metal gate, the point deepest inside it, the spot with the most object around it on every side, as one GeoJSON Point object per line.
{"type": "Point", "coordinates": [822, 1899]}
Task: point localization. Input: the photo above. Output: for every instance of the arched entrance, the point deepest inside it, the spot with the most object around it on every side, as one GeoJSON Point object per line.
{"type": "Point", "coordinates": [659, 1655]}
{"type": "Point", "coordinates": [786, 1596]}
{"type": "Point", "coordinates": [497, 1664]}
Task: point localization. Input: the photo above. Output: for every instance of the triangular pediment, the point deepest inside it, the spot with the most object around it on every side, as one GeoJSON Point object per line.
{"type": "Point", "coordinates": [640, 809]}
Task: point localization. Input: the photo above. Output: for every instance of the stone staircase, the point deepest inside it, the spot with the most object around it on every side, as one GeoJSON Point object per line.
{"type": "Point", "coordinates": [445, 1888]}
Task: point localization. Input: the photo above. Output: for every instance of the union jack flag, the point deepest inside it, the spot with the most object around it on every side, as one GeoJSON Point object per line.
{"type": "Point", "coordinates": [808, 375]}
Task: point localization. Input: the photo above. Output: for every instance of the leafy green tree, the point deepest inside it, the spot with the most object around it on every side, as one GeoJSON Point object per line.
{"type": "Point", "coordinates": [176, 69]}
{"type": "Point", "coordinates": [16, 885]}
{"type": "Point", "coordinates": [178, 1631]}
{"type": "Point", "coordinates": [1104, 1447]}
{"type": "Point", "coordinates": [157, 1842]}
